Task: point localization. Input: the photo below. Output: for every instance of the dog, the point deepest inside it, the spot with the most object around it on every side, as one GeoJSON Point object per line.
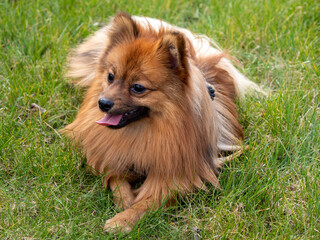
{"type": "Point", "coordinates": [159, 108]}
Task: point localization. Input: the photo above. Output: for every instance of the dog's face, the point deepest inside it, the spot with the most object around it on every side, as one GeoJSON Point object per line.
{"type": "Point", "coordinates": [140, 77]}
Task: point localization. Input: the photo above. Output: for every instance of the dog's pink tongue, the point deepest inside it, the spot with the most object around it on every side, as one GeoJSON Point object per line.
{"type": "Point", "coordinates": [110, 120]}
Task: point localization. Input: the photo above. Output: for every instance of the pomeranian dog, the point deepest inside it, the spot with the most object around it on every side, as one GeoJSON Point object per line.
{"type": "Point", "coordinates": [159, 108]}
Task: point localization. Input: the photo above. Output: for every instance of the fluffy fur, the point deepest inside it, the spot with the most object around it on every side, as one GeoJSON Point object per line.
{"type": "Point", "coordinates": [175, 148]}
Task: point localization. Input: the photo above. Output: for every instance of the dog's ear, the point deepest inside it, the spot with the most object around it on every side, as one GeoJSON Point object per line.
{"type": "Point", "coordinates": [123, 29]}
{"type": "Point", "coordinates": [83, 60]}
{"type": "Point", "coordinates": [173, 46]}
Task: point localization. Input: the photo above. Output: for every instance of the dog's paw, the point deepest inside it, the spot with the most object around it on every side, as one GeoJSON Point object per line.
{"type": "Point", "coordinates": [117, 223]}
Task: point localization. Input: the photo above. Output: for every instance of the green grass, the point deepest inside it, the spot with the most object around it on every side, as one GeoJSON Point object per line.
{"type": "Point", "coordinates": [271, 191]}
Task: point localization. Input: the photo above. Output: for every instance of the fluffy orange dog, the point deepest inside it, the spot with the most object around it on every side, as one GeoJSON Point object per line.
{"type": "Point", "coordinates": [150, 111]}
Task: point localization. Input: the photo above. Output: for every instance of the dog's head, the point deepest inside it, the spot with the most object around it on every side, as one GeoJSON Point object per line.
{"type": "Point", "coordinates": [143, 73]}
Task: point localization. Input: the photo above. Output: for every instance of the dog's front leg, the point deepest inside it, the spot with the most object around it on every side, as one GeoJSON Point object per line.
{"type": "Point", "coordinates": [150, 196]}
{"type": "Point", "coordinates": [125, 221]}
{"type": "Point", "coordinates": [122, 192]}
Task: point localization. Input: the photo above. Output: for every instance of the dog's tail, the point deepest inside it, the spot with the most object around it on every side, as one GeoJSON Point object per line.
{"type": "Point", "coordinates": [83, 61]}
{"type": "Point", "coordinates": [243, 84]}
{"type": "Point", "coordinates": [206, 47]}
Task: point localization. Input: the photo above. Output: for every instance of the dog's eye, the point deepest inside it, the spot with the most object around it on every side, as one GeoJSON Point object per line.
{"type": "Point", "coordinates": [110, 78]}
{"type": "Point", "coordinates": [137, 88]}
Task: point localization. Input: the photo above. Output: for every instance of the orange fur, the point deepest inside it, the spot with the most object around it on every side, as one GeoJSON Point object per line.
{"type": "Point", "coordinates": [176, 147]}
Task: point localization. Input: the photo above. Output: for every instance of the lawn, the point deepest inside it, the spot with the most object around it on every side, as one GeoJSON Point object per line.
{"type": "Point", "coordinates": [271, 191]}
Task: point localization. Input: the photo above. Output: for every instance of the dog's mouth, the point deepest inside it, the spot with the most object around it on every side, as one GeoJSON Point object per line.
{"type": "Point", "coordinates": [117, 121]}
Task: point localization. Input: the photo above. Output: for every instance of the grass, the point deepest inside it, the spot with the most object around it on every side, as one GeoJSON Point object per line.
{"type": "Point", "coordinates": [271, 191]}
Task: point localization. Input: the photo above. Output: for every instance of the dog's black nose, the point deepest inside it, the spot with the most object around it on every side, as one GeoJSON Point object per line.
{"type": "Point", "coordinates": [105, 104]}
